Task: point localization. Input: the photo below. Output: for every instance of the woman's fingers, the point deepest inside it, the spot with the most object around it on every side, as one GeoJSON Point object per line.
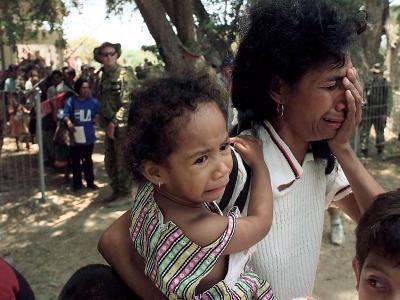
{"type": "Point", "coordinates": [352, 85]}
{"type": "Point", "coordinates": [352, 75]}
{"type": "Point", "coordinates": [354, 111]}
{"type": "Point", "coordinates": [348, 85]}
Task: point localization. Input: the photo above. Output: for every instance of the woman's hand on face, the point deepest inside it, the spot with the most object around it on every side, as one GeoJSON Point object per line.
{"type": "Point", "coordinates": [250, 148]}
{"type": "Point", "coordinates": [354, 99]}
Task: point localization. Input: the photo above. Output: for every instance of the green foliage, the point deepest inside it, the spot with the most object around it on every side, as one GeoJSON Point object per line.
{"type": "Point", "coordinates": [153, 49]}
{"type": "Point", "coordinates": [352, 4]}
{"type": "Point", "coordinates": [23, 19]}
{"type": "Point", "coordinates": [117, 7]}
{"type": "Point", "coordinates": [83, 47]}
{"type": "Point", "coordinates": [224, 19]}
{"type": "Point", "coordinates": [395, 12]}
{"type": "Point", "coordinates": [136, 58]}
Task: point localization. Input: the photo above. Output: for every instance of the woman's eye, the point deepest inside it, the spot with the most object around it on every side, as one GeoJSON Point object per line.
{"type": "Point", "coordinates": [201, 160]}
{"type": "Point", "coordinates": [331, 87]}
{"type": "Point", "coordinates": [224, 147]}
{"type": "Point", "coordinates": [374, 283]}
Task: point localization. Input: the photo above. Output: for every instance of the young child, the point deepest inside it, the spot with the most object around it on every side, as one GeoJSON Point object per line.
{"type": "Point", "coordinates": [178, 147]}
{"type": "Point", "coordinates": [377, 261]}
{"type": "Point", "coordinates": [19, 118]}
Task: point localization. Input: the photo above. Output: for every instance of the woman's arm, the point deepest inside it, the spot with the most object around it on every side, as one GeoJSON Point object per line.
{"type": "Point", "coordinates": [364, 187]}
{"type": "Point", "coordinates": [116, 248]}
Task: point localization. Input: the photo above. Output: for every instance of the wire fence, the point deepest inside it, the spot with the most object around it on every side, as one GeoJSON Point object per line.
{"type": "Point", "coordinates": [380, 120]}
{"type": "Point", "coordinates": [21, 165]}
{"type": "Point", "coordinates": [21, 137]}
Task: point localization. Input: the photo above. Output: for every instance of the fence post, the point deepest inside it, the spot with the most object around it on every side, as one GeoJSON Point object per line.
{"type": "Point", "coordinates": [357, 139]}
{"type": "Point", "coordinates": [39, 136]}
{"type": "Point", "coordinates": [3, 107]}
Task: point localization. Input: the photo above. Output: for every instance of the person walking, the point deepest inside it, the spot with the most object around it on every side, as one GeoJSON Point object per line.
{"type": "Point", "coordinates": [115, 84]}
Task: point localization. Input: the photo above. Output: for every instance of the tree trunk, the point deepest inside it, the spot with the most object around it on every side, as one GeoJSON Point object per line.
{"type": "Point", "coordinates": [371, 39]}
{"type": "Point", "coordinates": [214, 45]}
{"type": "Point", "coordinates": [393, 47]}
{"type": "Point", "coordinates": [393, 63]}
{"type": "Point", "coordinates": [178, 61]}
{"type": "Point", "coordinates": [184, 22]}
{"type": "Point", "coordinates": [392, 54]}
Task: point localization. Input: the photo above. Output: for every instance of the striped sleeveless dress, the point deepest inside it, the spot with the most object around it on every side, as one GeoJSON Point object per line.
{"type": "Point", "coordinates": [176, 265]}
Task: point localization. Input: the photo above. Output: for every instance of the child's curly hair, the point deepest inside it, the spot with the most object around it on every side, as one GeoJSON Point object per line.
{"type": "Point", "coordinates": [156, 113]}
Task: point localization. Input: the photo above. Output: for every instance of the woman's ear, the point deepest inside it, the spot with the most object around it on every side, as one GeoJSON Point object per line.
{"type": "Point", "coordinates": [278, 89]}
{"type": "Point", "coordinates": [152, 172]}
{"type": "Point", "coordinates": [357, 270]}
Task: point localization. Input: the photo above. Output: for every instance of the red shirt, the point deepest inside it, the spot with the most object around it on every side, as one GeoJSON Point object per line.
{"type": "Point", "coordinates": [9, 286]}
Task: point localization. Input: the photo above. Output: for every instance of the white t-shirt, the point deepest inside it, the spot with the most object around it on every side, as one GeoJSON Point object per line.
{"type": "Point", "coordinates": [288, 256]}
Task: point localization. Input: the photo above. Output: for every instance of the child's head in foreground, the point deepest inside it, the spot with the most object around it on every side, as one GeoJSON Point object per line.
{"type": "Point", "coordinates": [377, 261]}
{"type": "Point", "coordinates": [178, 138]}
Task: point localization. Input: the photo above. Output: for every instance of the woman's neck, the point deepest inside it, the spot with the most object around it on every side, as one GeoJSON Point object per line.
{"type": "Point", "coordinates": [297, 146]}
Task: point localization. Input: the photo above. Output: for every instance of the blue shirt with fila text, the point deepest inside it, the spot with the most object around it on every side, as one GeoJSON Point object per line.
{"type": "Point", "coordinates": [84, 113]}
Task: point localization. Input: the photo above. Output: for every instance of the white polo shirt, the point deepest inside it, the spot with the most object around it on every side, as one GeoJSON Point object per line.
{"type": "Point", "coordinates": [288, 256]}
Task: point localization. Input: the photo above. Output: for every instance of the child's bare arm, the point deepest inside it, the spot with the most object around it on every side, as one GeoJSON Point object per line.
{"type": "Point", "coordinates": [255, 226]}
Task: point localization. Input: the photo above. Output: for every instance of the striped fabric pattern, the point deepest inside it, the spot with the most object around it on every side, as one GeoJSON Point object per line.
{"type": "Point", "coordinates": [176, 264]}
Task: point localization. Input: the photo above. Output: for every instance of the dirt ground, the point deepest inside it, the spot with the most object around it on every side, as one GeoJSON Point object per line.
{"type": "Point", "coordinates": [48, 242]}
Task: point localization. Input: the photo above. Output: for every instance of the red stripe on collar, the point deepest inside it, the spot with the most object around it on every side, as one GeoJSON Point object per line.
{"type": "Point", "coordinates": [285, 154]}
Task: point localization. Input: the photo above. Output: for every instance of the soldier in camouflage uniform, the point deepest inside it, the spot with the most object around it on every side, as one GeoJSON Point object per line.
{"type": "Point", "coordinates": [376, 111]}
{"type": "Point", "coordinates": [115, 83]}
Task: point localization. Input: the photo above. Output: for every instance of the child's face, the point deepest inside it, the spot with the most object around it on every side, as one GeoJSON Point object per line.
{"type": "Point", "coordinates": [378, 279]}
{"type": "Point", "coordinates": [198, 170]}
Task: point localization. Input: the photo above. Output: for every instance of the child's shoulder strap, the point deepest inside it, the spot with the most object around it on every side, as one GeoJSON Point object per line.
{"type": "Point", "coordinates": [241, 199]}
{"type": "Point", "coordinates": [226, 197]}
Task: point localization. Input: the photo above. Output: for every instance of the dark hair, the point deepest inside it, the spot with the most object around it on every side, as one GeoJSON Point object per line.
{"type": "Point", "coordinates": [12, 67]}
{"type": "Point", "coordinates": [54, 73]}
{"type": "Point", "coordinates": [379, 229]}
{"type": "Point", "coordinates": [287, 38]}
{"type": "Point", "coordinates": [70, 72]}
{"type": "Point", "coordinates": [96, 282]}
{"type": "Point", "coordinates": [154, 112]}
{"type": "Point", "coordinates": [78, 84]}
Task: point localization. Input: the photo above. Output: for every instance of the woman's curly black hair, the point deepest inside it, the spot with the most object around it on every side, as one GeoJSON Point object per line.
{"type": "Point", "coordinates": [287, 38]}
{"type": "Point", "coordinates": [158, 112]}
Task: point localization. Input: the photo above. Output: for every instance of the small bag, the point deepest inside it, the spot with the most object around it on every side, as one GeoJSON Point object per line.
{"type": "Point", "coordinates": [63, 136]}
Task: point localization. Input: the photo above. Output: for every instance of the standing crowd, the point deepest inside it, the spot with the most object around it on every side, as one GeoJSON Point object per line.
{"type": "Point", "coordinates": [70, 107]}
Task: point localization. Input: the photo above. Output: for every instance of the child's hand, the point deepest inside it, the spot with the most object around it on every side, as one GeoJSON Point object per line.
{"type": "Point", "coordinates": [70, 126]}
{"type": "Point", "coordinates": [250, 148]}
